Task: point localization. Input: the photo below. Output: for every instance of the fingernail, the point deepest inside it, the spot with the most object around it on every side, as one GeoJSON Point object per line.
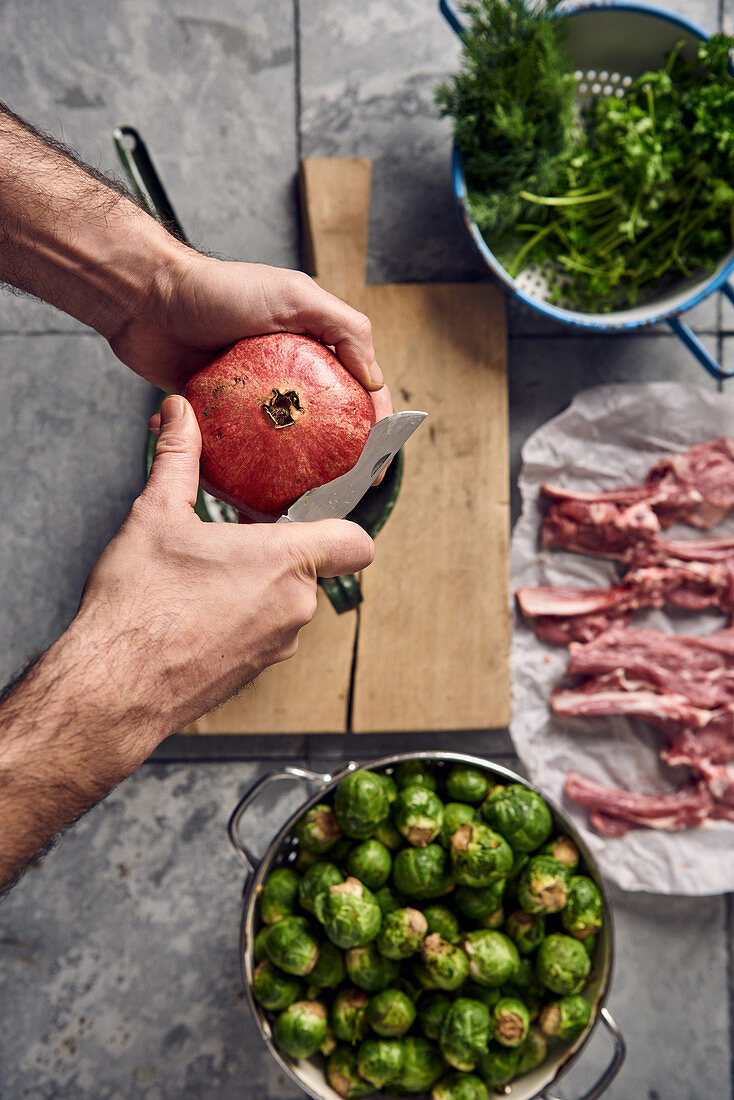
{"type": "Point", "coordinates": [375, 376]}
{"type": "Point", "coordinates": [172, 409]}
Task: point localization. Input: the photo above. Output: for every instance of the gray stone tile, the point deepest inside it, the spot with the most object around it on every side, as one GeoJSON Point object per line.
{"type": "Point", "coordinates": [73, 424]}
{"type": "Point", "coordinates": [211, 91]}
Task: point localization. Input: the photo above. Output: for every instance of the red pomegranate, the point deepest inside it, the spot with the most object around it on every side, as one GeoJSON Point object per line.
{"type": "Point", "coordinates": [278, 414]}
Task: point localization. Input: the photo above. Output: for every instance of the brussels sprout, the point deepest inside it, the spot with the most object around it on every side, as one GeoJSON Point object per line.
{"type": "Point", "coordinates": [565, 1018]}
{"type": "Point", "coordinates": [258, 951]}
{"type": "Point", "coordinates": [361, 803]}
{"type": "Point", "coordinates": [370, 970]}
{"type": "Point", "coordinates": [526, 930]}
{"type": "Point", "coordinates": [484, 993]}
{"type": "Point", "coordinates": [562, 964]}
{"type": "Point", "coordinates": [498, 1066]}
{"type": "Point", "coordinates": [401, 933]}
{"type": "Point", "coordinates": [520, 815]}
{"type": "Point", "coordinates": [532, 1051]}
{"type": "Point", "coordinates": [442, 920]}
{"type": "Point", "coordinates": [447, 965]}
{"type": "Point", "coordinates": [304, 860]}
{"type": "Point", "coordinates": [465, 783]}
{"type": "Point", "coordinates": [478, 903]}
{"type": "Point", "coordinates": [318, 830]}
{"type": "Point", "coordinates": [279, 893]}
{"type": "Point", "coordinates": [370, 862]}
{"type": "Point", "coordinates": [380, 1061]}
{"type": "Point", "coordinates": [564, 850]}
{"type": "Point", "coordinates": [494, 920]}
{"type": "Point", "coordinates": [464, 1033]}
{"type": "Point", "coordinates": [300, 1030]}
{"type": "Point", "coordinates": [314, 887]}
{"type": "Point", "coordinates": [414, 773]}
{"type": "Point", "coordinates": [543, 886]}
{"type": "Point", "coordinates": [589, 943]}
{"type": "Point", "coordinates": [421, 872]}
{"type": "Point", "coordinates": [511, 1021]}
{"type": "Point", "coordinates": [388, 835]}
{"type": "Point", "coordinates": [418, 815]}
{"type": "Point", "coordinates": [352, 917]}
{"type": "Point", "coordinates": [347, 1016]}
{"type": "Point", "coordinates": [493, 957]}
{"type": "Point", "coordinates": [389, 899]}
{"type": "Point", "coordinates": [432, 1012]}
{"type": "Point", "coordinates": [424, 979]}
{"type": "Point", "coordinates": [390, 1013]}
{"type": "Point", "coordinates": [460, 1086]}
{"type": "Point", "coordinates": [582, 915]}
{"type": "Point", "coordinates": [422, 1066]}
{"type": "Point", "coordinates": [526, 987]}
{"type": "Point", "coordinates": [328, 972]}
{"type": "Point", "coordinates": [479, 856]}
{"type": "Point", "coordinates": [343, 1075]}
{"type": "Point", "coordinates": [329, 1044]}
{"type": "Point", "coordinates": [454, 815]}
{"type": "Point", "coordinates": [519, 864]}
{"type": "Point", "coordinates": [390, 785]}
{"type": "Point", "coordinates": [292, 946]}
{"type": "Point", "coordinates": [273, 989]}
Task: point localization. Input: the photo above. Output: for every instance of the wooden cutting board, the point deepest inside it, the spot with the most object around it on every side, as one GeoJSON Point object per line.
{"type": "Point", "coordinates": [429, 647]}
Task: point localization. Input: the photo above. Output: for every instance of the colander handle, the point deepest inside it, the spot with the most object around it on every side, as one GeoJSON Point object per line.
{"type": "Point", "coordinates": [620, 1050]}
{"type": "Point", "coordinates": [250, 860]}
{"type": "Point", "coordinates": [708, 361]}
{"type": "Point", "coordinates": [448, 11]}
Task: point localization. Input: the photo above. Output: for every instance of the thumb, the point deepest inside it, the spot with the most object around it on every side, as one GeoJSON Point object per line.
{"type": "Point", "coordinates": [331, 547]}
{"type": "Point", "coordinates": [174, 475]}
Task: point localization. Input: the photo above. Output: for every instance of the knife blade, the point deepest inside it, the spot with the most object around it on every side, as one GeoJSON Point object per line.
{"type": "Point", "coordinates": [337, 498]}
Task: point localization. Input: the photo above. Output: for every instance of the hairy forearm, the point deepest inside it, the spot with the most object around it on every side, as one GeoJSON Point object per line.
{"type": "Point", "coordinates": [74, 239]}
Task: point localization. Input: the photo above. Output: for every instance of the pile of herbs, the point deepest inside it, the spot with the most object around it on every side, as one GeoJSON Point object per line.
{"type": "Point", "coordinates": [632, 196]}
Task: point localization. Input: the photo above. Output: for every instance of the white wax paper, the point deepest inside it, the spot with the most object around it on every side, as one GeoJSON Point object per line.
{"type": "Point", "coordinates": [610, 436]}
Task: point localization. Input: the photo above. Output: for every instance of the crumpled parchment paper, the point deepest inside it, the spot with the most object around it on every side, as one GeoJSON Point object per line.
{"type": "Point", "coordinates": [612, 435]}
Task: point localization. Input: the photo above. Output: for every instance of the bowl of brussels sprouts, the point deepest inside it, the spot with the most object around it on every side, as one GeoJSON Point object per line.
{"type": "Point", "coordinates": [425, 924]}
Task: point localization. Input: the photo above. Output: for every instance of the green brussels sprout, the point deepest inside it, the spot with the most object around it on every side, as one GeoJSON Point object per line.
{"type": "Point", "coordinates": [352, 917]}
{"type": "Point", "coordinates": [493, 957]}
{"type": "Point", "coordinates": [421, 975]}
{"type": "Point", "coordinates": [442, 920]}
{"type": "Point", "coordinates": [380, 1061]}
{"type": "Point", "coordinates": [422, 1066]}
{"type": "Point", "coordinates": [561, 964]}
{"type": "Point", "coordinates": [532, 1051]}
{"type": "Point", "coordinates": [525, 985]}
{"type": "Point", "coordinates": [418, 815]}
{"type": "Point", "coordinates": [564, 850]}
{"type": "Point", "coordinates": [464, 1033]}
{"type": "Point", "coordinates": [498, 1066]}
{"type": "Point", "coordinates": [478, 903]}
{"type": "Point", "coordinates": [401, 933]}
{"type": "Point", "coordinates": [390, 1013]}
{"type": "Point", "coordinates": [304, 860]}
{"type": "Point", "coordinates": [543, 886]}
{"type": "Point", "coordinates": [479, 856]}
{"type": "Point", "coordinates": [589, 943]}
{"type": "Point", "coordinates": [258, 951]}
{"type": "Point", "coordinates": [279, 894]}
{"type": "Point", "coordinates": [329, 1044]}
{"type": "Point", "coordinates": [388, 835]}
{"type": "Point", "coordinates": [454, 815]}
{"type": "Point", "coordinates": [370, 862]}
{"type": "Point", "coordinates": [370, 970]}
{"type": "Point", "coordinates": [328, 972]}
{"type": "Point", "coordinates": [273, 989]}
{"type": "Point", "coordinates": [414, 773]}
{"type": "Point", "coordinates": [361, 803]}
{"type": "Point", "coordinates": [446, 964]}
{"type": "Point", "coordinates": [460, 1086]}
{"type": "Point", "coordinates": [292, 946]}
{"type": "Point", "coordinates": [519, 864]}
{"type": "Point", "coordinates": [391, 786]}
{"type": "Point", "coordinates": [421, 872]}
{"type": "Point", "coordinates": [526, 930]}
{"type": "Point", "coordinates": [511, 1021]}
{"type": "Point", "coordinates": [488, 995]}
{"type": "Point", "coordinates": [314, 887]}
{"type": "Point", "coordinates": [566, 1018]}
{"type": "Point", "coordinates": [432, 1012]}
{"type": "Point", "coordinates": [300, 1030]}
{"type": "Point", "coordinates": [343, 1075]}
{"type": "Point", "coordinates": [465, 783]}
{"type": "Point", "coordinates": [347, 1017]}
{"type": "Point", "coordinates": [520, 815]}
{"type": "Point", "coordinates": [318, 830]}
{"type": "Point", "coordinates": [494, 920]}
{"type": "Point", "coordinates": [389, 900]}
{"type": "Point", "coordinates": [582, 915]}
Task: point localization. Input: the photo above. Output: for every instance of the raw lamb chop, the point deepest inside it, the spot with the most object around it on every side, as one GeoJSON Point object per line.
{"type": "Point", "coordinates": [614, 812]}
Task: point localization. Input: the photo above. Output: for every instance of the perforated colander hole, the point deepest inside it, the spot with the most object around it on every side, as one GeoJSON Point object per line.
{"type": "Point", "coordinates": [583, 87]}
{"type": "Point", "coordinates": [626, 81]}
